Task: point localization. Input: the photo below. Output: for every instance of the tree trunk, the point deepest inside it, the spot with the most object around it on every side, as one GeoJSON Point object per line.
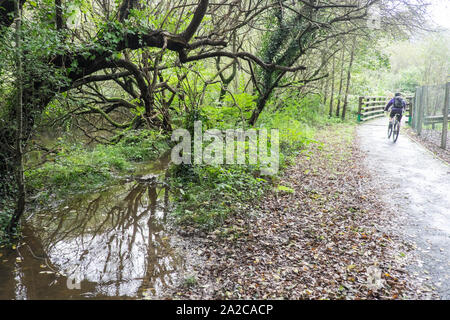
{"type": "Point", "coordinates": [332, 86]}
{"type": "Point", "coordinates": [266, 91]}
{"type": "Point", "coordinates": [325, 94]}
{"type": "Point", "coordinates": [260, 104]}
{"type": "Point", "coordinates": [225, 80]}
{"type": "Point", "coordinates": [341, 82]}
{"type": "Point", "coordinates": [20, 206]}
{"type": "Point", "coordinates": [59, 21]}
{"type": "Point", "coordinates": [349, 75]}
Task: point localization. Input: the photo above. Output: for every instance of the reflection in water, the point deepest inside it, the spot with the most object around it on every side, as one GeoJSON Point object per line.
{"type": "Point", "coordinates": [113, 241]}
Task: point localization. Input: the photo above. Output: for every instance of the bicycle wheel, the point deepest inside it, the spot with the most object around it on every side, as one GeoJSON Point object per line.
{"type": "Point", "coordinates": [396, 130]}
{"type": "Point", "coordinates": [390, 130]}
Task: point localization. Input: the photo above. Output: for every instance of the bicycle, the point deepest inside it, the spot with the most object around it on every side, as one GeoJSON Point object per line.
{"type": "Point", "coordinates": [394, 128]}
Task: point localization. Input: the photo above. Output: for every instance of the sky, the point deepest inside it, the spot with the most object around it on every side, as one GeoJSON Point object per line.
{"type": "Point", "coordinates": [440, 12]}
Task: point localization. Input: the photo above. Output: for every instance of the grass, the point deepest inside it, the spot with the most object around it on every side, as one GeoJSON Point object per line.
{"type": "Point", "coordinates": [206, 195]}
{"type": "Point", "coordinates": [190, 281]}
{"type": "Point", "coordinates": [75, 169]}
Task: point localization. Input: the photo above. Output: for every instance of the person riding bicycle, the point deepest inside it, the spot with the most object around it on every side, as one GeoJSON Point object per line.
{"type": "Point", "coordinates": [398, 105]}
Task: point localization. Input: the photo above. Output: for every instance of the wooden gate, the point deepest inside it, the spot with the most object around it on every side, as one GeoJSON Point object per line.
{"type": "Point", "coordinates": [373, 107]}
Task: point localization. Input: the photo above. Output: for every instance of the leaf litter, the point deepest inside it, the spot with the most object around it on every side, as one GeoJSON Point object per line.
{"type": "Point", "coordinates": [329, 236]}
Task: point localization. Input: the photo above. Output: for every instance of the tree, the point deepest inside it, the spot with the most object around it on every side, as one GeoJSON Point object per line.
{"type": "Point", "coordinates": [341, 80]}
{"type": "Point", "coordinates": [349, 74]}
{"type": "Point", "coordinates": [78, 54]}
{"type": "Point", "coordinates": [20, 206]}
{"type": "Point", "coordinates": [332, 87]}
{"type": "Point", "coordinates": [298, 30]}
{"type": "Point", "coordinates": [295, 31]}
{"type": "Point", "coordinates": [133, 45]}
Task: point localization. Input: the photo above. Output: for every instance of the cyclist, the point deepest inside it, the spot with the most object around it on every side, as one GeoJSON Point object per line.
{"type": "Point", "coordinates": [398, 105]}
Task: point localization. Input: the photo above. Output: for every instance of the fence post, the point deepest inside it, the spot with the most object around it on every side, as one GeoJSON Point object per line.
{"type": "Point", "coordinates": [360, 108]}
{"type": "Point", "coordinates": [410, 109]}
{"type": "Point", "coordinates": [416, 107]}
{"type": "Point", "coordinates": [421, 110]}
{"type": "Point", "coordinates": [446, 110]}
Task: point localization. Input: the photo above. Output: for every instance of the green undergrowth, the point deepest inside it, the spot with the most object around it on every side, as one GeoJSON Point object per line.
{"type": "Point", "coordinates": [5, 217]}
{"type": "Point", "coordinates": [206, 195]}
{"type": "Point", "coordinates": [76, 169]}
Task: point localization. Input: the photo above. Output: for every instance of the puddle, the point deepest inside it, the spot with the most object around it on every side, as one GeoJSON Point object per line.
{"type": "Point", "coordinates": [106, 245]}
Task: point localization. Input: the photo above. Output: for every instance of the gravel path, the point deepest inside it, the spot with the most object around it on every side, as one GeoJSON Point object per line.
{"type": "Point", "coordinates": [418, 187]}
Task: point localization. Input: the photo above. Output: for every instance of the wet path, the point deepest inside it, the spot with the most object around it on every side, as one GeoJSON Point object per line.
{"type": "Point", "coordinates": [104, 245]}
{"type": "Point", "coordinates": [418, 186]}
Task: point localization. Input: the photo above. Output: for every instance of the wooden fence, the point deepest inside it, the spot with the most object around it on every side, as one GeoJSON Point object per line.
{"type": "Point", "coordinates": [432, 112]}
{"type": "Point", "coordinates": [373, 107]}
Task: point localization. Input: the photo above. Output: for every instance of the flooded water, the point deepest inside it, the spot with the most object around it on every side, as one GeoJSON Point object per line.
{"type": "Point", "coordinates": [107, 245]}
